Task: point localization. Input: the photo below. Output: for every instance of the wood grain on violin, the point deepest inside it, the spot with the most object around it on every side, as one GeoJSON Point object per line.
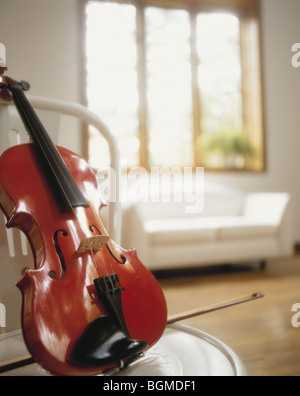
{"type": "Point", "coordinates": [88, 305]}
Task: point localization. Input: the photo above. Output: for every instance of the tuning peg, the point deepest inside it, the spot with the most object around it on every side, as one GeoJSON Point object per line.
{"type": "Point", "coordinates": [25, 85]}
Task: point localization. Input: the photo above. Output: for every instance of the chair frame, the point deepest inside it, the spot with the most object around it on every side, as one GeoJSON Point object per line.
{"type": "Point", "coordinates": [84, 114]}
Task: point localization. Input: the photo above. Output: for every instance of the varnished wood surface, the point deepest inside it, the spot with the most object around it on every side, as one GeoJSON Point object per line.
{"type": "Point", "coordinates": [260, 332]}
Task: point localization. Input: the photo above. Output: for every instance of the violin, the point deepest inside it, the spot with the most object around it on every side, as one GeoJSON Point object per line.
{"type": "Point", "coordinates": [88, 306]}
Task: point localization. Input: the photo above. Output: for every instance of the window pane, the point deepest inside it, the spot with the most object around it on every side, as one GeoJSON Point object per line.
{"type": "Point", "coordinates": [186, 93]}
{"type": "Point", "coordinates": [219, 78]}
{"type": "Point", "coordinates": [112, 77]}
{"type": "Point", "coordinates": [169, 94]}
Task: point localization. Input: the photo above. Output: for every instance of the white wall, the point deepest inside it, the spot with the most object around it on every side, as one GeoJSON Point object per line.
{"type": "Point", "coordinates": [42, 39]}
{"type": "Point", "coordinates": [43, 47]}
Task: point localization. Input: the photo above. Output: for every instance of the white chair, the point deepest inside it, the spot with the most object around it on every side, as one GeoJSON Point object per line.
{"type": "Point", "coordinates": [14, 252]}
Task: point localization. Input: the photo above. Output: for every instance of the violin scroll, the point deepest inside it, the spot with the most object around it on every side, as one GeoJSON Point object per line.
{"type": "Point", "coordinates": [6, 82]}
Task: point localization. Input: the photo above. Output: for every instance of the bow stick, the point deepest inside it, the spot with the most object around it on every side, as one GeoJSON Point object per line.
{"type": "Point", "coordinates": [214, 307]}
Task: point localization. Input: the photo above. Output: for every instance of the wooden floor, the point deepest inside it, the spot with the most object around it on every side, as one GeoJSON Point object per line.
{"type": "Point", "coordinates": [260, 332]}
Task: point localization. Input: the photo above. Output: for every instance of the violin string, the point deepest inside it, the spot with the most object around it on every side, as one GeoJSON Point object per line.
{"type": "Point", "coordinates": [30, 116]}
{"type": "Point", "coordinates": [111, 263]}
{"type": "Point", "coordinates": [31, 119]}
{"type": "Point", "coordinates": [108, 255]}
{"type": "Point", "coordinates": [39, 139]}
{"type": "Point", "coordinates": [94, 260]}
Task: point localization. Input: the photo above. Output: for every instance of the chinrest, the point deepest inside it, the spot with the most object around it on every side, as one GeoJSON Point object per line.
{"type": "Point", "coordinates": [103, 343]}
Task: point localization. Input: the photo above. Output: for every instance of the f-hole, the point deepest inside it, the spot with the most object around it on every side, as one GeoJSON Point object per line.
{"type": "Point", "coordinates": [93, 229]}
{"type": "Point", "coordinates": [52, 274]}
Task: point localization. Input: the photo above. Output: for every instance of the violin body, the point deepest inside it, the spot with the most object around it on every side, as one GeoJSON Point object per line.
{"type": "Point", "coordinates": [60, 297]}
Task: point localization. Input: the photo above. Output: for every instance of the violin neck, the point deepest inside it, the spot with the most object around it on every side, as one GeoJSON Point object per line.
{"type": "Point", "coordinates": [66, 191]}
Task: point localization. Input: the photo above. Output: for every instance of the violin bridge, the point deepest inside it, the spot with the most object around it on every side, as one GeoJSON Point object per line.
{"type": "Point", "coordinates": [93, 243]}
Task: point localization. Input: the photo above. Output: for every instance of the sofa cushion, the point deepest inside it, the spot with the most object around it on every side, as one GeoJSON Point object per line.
{"type": "Point", "coordinates": [245, 227]}
{"type": "Point", "coordinates": [222, 201]}
{"type": "Point", "coordinates": [175, 231]}
{"type": "Point", "coordinates": [204, 229]}
{"type": "Point", "coordinates": [215, 200]}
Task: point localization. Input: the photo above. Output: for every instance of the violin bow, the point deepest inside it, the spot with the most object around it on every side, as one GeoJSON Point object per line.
{"type": "Point", "coordinates": [171, 320]}
{"type": "Point", "coordinates": [214, 307]}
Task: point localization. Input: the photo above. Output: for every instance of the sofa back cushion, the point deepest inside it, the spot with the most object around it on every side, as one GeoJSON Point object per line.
{"type": "Point", "coordinates": [216, 200]}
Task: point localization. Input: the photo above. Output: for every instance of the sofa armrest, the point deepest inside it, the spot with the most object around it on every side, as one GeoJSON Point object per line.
{"type": "Point", "coordinates": [275, 208]}
{"type": "Point", "coordinates": [270, 207]}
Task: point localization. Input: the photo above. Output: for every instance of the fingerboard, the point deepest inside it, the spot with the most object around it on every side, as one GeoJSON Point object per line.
{"type": "Point", "coordinates": [64, 187]}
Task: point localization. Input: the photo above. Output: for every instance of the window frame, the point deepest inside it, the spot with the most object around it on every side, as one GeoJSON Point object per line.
{"type": "Point", "coordinates": [248, 12]}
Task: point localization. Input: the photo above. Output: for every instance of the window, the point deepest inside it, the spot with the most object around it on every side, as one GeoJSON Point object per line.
{"type": "Point", "coordinates": [178, 85]}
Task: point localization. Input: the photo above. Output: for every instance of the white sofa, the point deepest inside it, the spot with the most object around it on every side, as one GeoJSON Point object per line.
{"type": "Point", "coordinates": [233, 227]}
